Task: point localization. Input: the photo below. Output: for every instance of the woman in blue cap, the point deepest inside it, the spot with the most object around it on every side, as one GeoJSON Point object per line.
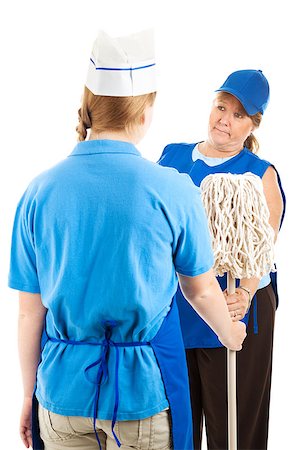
{"type": "Point", "coordinates": [97, 242]}
{"type": "Point", "coordinates": [230, 147]}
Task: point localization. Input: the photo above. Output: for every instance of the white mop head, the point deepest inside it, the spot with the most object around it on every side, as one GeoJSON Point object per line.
{"type": "Point", "coordinates": [238, 217]}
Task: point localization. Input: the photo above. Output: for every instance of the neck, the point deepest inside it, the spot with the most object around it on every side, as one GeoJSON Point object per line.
{"type": "Point", "coordinates": [207, 148]}
{"type": "Point", "coordinates": [113, 136]}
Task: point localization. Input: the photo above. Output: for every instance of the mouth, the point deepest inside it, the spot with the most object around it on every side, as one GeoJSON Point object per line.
{"type": "Point", "coordinates": [222, 131]}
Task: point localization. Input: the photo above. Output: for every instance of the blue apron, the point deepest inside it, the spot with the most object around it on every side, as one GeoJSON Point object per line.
{"type": "Point", "coordinates": [169, 351]}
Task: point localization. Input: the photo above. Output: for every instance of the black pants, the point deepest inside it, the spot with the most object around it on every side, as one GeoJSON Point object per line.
{"type": "Point", "coordinates": [208, 384]}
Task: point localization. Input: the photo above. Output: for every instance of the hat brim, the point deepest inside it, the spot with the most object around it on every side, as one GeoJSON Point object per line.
{"type": "Point", "coordinates": [249, 107]}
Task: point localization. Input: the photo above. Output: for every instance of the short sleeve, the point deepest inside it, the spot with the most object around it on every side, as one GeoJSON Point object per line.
{"type": "Point", "coordinates": [193, 255]}
{"type": "Point", "coordinates": [23, 270]}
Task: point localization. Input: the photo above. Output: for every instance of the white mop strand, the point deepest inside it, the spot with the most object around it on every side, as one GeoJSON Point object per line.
{"type": "Point", "coordinates": [238, 217]}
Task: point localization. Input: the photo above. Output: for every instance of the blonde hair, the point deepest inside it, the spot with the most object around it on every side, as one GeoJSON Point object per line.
{"type": "Point", "coordinates": [104, 113]}
{"type": "Point", "coordinates": [251, 142]}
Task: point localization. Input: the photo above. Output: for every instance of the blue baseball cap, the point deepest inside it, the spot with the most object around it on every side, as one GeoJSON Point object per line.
{"type": "Point", "coordinates": [250, 87]}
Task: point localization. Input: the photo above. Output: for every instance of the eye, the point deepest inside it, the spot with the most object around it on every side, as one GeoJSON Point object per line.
{"type": "Point", "coordinates": [221, 108]}
{"type": "Point", "coordinates": [238, 115]}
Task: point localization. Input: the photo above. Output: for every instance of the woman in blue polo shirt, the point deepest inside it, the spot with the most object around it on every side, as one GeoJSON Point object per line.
{"type": "Point", "coordinates": [96, 245]}
{"type": "Point", "coordinates": [230, 147]}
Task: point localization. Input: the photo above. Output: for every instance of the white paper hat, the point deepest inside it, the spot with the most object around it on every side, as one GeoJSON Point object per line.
{"type": "Point", "coordinates": [122, 66]}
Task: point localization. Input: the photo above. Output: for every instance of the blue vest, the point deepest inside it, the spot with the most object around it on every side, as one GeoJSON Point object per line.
{"type": "Point", "coordinates": [196, 333]}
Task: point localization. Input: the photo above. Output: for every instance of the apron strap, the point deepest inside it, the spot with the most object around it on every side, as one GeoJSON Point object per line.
{"type": "Point", "coordinates": [255, 321]}
{"type": "Point", "coordinates": [102, 372]}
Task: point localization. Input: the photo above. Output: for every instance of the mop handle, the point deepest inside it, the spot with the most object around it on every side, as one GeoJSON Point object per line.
{"type": "Point", "coordinates": [231, 384]}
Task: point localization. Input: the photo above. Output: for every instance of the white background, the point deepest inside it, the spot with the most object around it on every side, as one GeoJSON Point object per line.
{"type": "Point", "coordinates": [45, 49]}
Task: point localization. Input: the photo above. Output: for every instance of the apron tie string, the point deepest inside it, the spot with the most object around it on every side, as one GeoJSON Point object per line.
{"type": "Point", "coordinates": [102, 372]}
{"type": "Point", "coordinates": [255, 320]}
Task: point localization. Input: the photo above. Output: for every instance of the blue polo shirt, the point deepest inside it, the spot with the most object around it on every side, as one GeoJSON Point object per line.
{"type": "Point", "coordinates": [101, 236]}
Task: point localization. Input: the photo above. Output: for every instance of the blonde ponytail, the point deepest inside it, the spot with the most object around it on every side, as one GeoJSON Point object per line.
{"type": "Point", "coordinates": [251, 142]}
{"type": "Point", "coordinates": [84, 123]}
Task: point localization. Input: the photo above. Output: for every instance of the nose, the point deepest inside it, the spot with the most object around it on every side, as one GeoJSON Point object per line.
{"type": "Point", "coordinates": [224, 118]}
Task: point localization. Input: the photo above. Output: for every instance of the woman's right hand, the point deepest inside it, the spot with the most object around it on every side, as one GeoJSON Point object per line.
{"type": "Point", "coordinates": [236, 336]}
{"type": "Point", "coordinates": [25, 422]}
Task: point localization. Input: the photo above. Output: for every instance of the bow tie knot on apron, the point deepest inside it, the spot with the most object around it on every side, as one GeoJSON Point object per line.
{"type": "Point", "coordinates": [102, 362]}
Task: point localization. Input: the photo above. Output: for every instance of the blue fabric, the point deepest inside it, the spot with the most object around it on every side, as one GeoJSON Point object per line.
{"type": "Point", "coordinates": [101, 236]}
{"type": "Point", "coordinates": [169, 351]}
{"type": "Point", "coordinates": [250, 87]}
{"type": "Point", "coordinates": [168, 348]}
{"type": "Point", "coordinates": [264, 281]}
{"type": "Point", "coordinates": [196, 333]}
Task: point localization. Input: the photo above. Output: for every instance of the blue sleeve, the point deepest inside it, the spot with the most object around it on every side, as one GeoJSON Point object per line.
{"type": "Point", "coordinates": [193, 255]}
{"type": "Point", "coordinates": [23, 267]}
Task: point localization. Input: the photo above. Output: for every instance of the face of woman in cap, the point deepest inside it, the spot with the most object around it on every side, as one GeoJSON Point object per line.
{"type": "Point", "coordinates": [229, 125]}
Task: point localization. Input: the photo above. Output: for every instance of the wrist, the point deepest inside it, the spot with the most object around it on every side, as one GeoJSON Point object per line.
{"type": "Point", "coordinates": [27, 397]}
{"type": "Point", "coordinates": [248, 291]}
{"type": "Point", "coordinates": [225, 336]}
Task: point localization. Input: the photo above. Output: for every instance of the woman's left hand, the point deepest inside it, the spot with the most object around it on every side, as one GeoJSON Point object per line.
{"type": "Point", "coordinates": [238, 304]}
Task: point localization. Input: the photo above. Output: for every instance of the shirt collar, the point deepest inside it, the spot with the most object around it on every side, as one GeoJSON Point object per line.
{"type": "Point", "coordinates": [104, 146]}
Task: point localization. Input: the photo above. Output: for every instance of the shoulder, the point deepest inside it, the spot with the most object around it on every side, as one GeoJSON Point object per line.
{"type": "Point", "coordinates": [167, 184]}
{"type": "Point", "coordinates": [172, 150]}
{"type": "Point", "coordinates": [257, 158]}
{"type": "Point", "coordinates": [269, 167]}
{"type": "Point", "coordinates": [43, 181]}
{"type": "Point", "coordinates": [166, 174]}
{"type": "Point", "coordinates": [271, 180]}
{"type": "Point", "coordinates": [260, 164]}
{"type": "Point", "coordinates": [179, 146]}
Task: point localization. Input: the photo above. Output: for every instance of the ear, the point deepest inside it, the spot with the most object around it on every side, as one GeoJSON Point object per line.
{"type": "Point", "coordinates": [253, 128]}
{"type": "Point", "coordinates": [143, 118]}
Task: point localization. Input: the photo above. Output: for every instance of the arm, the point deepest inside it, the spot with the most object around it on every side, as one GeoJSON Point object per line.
{"type": "Point", "coordinates": [273, 197]}
{"type": "Point", "coordinates": [205, 296]}
{"type": "Point", "coordinates": [31, 320]}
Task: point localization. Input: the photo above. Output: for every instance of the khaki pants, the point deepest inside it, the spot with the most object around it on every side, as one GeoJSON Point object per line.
{"type": "Point", "coordinates": [72, 432]}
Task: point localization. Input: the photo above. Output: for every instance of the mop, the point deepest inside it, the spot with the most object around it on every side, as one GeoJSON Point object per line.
{"type": "Point", "coordinates": [243, 247]}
